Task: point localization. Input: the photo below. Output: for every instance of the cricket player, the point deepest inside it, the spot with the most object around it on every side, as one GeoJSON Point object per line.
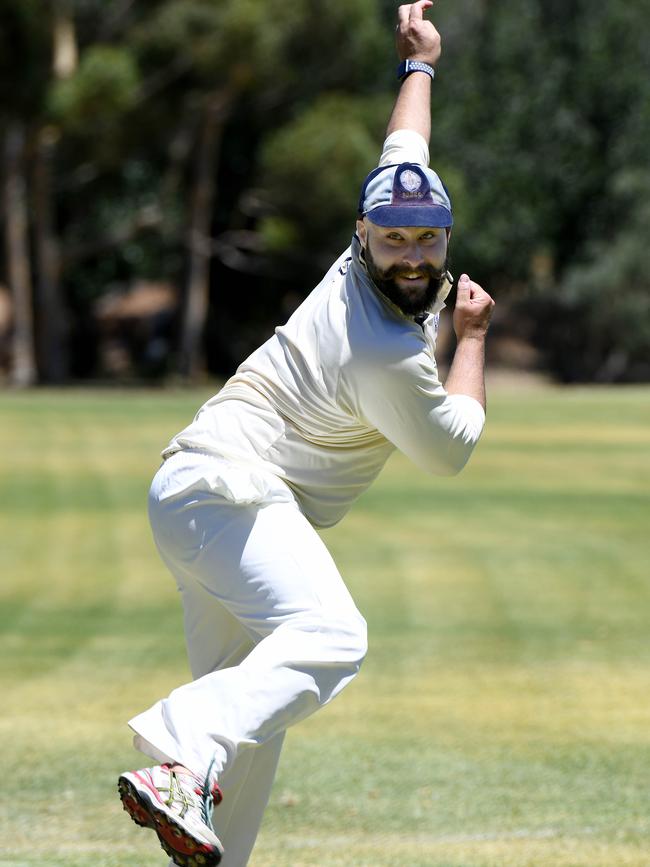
{"type": "Point", "coordinates": [291, 440]}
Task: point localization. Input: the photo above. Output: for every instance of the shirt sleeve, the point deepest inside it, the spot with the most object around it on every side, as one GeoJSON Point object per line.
{"type": "Point", "coordinates": [406, 402]}
{"type": "Point", "coordinates": [405, 146]}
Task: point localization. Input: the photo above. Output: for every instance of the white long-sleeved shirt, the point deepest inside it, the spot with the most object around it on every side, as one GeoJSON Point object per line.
{"type": "Point", "coordinates": [316, 411]}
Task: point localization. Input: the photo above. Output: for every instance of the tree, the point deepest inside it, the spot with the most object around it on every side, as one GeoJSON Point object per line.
{"type": "Point", "coordinates": [219, 145]}
{"type": "Point", "coordinates": [238, 53]}
{"type": "Point", "coordinates": [18, 264]}
{"type": "Point", "coordinates": [543, 123]}
{"type": "Point", "coordinates": [21, 33]}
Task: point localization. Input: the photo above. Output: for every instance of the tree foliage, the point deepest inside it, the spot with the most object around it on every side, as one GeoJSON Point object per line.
{"type": "Point", "coordinates": [310, 171]}
{"type": "Point", "coordinates": [551, 150]}
{"type": "Point", "coordinates": [219, 145]}
{"type": "Point", "coordinates": [102, 91]}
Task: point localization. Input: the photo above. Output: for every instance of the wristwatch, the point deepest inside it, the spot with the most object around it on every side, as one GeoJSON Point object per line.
{"type": "Point", "coordinates": [406, 67]}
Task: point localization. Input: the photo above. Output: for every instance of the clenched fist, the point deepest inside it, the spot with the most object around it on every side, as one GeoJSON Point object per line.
{"type": "Point", "coordinates": [416, 38]}
{"type": "Point", "coordinates": [473, 309]}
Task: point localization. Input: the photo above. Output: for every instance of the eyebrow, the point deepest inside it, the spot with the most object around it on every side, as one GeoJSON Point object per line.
{"type": "Point", "coordinates": [421, 230]}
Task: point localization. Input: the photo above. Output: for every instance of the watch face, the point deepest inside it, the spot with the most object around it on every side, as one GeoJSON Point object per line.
{"type": "Point", "coordinates": [408, 66]}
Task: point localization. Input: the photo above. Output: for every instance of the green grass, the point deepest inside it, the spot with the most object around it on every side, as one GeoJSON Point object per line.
{"type": "Point", "coordinates": [501, 718]}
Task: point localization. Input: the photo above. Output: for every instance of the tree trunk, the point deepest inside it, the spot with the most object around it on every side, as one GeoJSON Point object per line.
{"type": "Point", "coordinates": [65, 53]}
{"type": "Point", "coordinates": [19, 277]}
{"type": "Point", "coordinates": [53, 360]}
{"type": "Point", "coordinates": [51, 324]}
{"type": "Point", "coordinates": [200, 249]}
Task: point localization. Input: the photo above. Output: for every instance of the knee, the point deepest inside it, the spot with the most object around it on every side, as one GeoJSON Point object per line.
{"type": "Point", "coordinates": [349, 636]}
{"type": "Point", "coordinates": [332, 639]}
{"type": "Point", "coordinates": [361, 636]}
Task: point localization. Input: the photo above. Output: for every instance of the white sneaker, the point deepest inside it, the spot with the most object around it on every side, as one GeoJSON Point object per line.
{"type": "Point", "coordinates": [178, 806]}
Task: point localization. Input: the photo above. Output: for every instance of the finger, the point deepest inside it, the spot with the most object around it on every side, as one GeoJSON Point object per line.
{"type": "Point", "coordinates": [418, 9]}
{"type": "Point", "coordinates": [463, 289]}
{"type": "Point", "coordinates": [481, 303]}
{"type": "Point", "coordinates": [478, 293]}
{"type": "Point", "coordinates": [403, 15]}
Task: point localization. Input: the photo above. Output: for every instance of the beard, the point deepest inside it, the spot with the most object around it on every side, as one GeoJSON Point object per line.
{"type": "Point", "coordinates": [411, 302]}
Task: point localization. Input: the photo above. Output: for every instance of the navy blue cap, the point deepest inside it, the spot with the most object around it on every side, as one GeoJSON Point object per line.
{"type": "Point", "coordinates": [407, 194]}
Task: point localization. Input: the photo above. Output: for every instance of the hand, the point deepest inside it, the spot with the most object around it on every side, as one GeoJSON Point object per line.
{"type": "Point", "coordinates": [473, 309]}
{"type": "Point", "coordinates": [416, 38]}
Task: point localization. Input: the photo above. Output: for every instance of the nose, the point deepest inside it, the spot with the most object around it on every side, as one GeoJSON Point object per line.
{"type": "Point", "coordinates": [413, 256]}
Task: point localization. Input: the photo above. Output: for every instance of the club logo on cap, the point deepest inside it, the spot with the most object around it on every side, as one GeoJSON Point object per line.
{"type": "Point", "coordinates": [410, 181]}
{"type": "Point", "coordinates": [411, 186]}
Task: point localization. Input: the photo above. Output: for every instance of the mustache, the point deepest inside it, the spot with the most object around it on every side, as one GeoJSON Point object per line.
{"type": "Point", "coordinates": [424, 269]}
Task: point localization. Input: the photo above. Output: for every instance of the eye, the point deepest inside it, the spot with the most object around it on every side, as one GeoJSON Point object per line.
{"type": "Point", "coordinates": [428, 236]}
{"type": "Point", "coordinates": [394, 236]}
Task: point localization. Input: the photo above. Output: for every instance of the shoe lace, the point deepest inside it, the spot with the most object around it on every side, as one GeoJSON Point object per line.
{"type": "Point", "coordinates": [211, 797]}
{"type": "Point", "coordinates": [177, 794]}
{"type": "Point", "coordinates": [209, 793]}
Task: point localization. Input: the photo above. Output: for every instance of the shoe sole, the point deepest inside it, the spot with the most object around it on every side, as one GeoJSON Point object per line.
{"type": "Point", "coordinates": [184, 849]}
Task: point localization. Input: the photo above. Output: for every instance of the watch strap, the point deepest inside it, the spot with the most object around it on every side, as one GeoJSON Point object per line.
{"type": "Point", "coordinates": [406, 67]}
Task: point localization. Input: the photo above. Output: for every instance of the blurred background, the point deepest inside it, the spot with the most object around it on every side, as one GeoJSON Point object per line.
{"type": "Point", "coordinates": [176, 175]}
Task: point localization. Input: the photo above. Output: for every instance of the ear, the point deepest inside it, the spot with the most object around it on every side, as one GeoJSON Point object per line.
{"type": "Point", "coordinates": [362, 232]}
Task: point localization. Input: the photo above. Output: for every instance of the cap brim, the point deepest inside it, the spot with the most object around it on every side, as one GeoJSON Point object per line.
{"type": "Point", "coordinates": [432, 216]}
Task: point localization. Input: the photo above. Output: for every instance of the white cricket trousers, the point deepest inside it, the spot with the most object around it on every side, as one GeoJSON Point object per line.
{"type": "Point", "coordinates": [272, 635]}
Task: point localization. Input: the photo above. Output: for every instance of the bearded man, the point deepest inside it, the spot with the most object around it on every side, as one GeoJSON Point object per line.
{"type": "Point", "coordinates": [290, 441]}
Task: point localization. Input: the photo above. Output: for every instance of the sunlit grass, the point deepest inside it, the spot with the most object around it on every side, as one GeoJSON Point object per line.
{"type": "Point", "coordinates": [501, 718]}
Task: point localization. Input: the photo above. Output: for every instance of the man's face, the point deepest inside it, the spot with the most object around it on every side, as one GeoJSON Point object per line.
{"type": "Point", "coordinates": [406, 264]}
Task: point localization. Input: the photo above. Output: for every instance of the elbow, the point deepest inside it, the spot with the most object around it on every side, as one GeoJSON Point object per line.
{"type": "Point", "coordinates": [451, 463]}
{"type": "Point", "coordinates": [456, 459]}
{"type": "Point", "coordinates": [449, 457]}
{"type": "Point", "coordinates": [463, 429]}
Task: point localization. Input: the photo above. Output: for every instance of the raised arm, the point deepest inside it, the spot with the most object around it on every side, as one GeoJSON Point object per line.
{"type": "Point", "coordinates": [416, 39]}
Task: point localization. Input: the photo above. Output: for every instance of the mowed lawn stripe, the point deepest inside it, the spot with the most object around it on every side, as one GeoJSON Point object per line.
{"type": "Point", "coordinates": [501, 717]}
{"type": "Point", "coordinates": [523, 646]}
{"type": "Point", "coordinates": [77, 549]}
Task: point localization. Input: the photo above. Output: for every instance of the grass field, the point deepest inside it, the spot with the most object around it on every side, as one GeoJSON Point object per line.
{"type": "Point", "coordinates": [502, 718]}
